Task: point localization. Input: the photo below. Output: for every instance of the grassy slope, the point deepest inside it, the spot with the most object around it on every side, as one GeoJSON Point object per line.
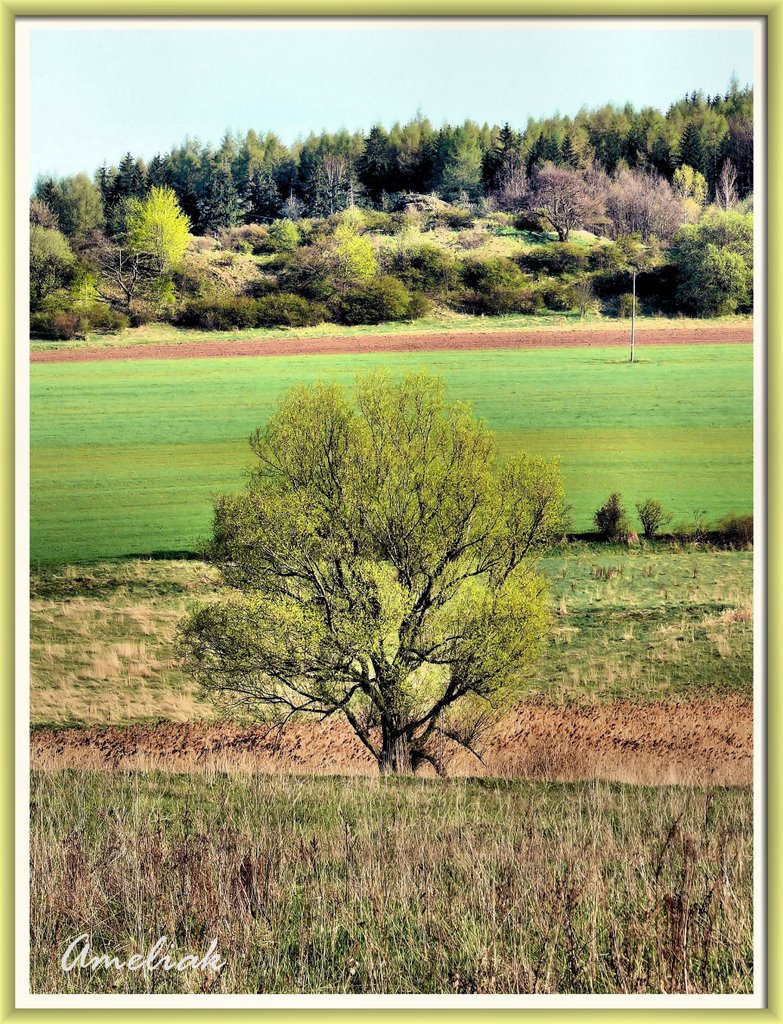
{"type": "Point", "coordinates": [649, 623]}
{"type": "Point", "coordinates": [330, 885]}
{"type": "Point", "coordinates": [127, 456]}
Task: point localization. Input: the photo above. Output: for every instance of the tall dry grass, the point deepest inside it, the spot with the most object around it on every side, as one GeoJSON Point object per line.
{"type": "Point", "coordinates": [388, 886]}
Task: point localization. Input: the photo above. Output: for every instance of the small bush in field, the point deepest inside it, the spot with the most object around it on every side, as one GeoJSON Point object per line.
{"type": "Point", "coordinates": [652, 517]}
{"type": "Point", "coordinates": [625, 305]}
{"type": "Point", "coordinates": [283, 309]}
{"type": "Point", "coordinates": [611, 519]}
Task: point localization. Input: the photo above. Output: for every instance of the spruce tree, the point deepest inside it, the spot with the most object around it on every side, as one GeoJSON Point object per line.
{"type": "Point", "coordinates": [691, 150]}
{"type": "Point", "coordinates": [221, 205]}
{"type": "Point", "coordinates": [375, 163]}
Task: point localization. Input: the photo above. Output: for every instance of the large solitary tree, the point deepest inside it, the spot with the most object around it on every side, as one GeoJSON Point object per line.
{"type": "Point", "coordinates": [379, 565]}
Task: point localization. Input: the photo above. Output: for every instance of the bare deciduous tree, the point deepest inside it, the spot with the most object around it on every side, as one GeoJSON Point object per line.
{"type": "Point", "coordinates": [726, 187]}
{"type": "Point", "coordinates": [119, 266]}
{"type": "Point", "coordinates": [642, 204]}
{"type": "Point", "coordinates": [564, 198]}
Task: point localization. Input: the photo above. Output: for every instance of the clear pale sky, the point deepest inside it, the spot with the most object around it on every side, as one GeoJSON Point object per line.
{"type": "Point", "coordinates": [94, 94]}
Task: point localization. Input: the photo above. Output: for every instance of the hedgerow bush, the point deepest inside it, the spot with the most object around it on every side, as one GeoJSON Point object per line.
{"type": "Point", "coordinates": [736, 531]}
{"type": "Point", "coordinates": [559, 296]}
{"type": "Point", "coordinates": [279, 309]}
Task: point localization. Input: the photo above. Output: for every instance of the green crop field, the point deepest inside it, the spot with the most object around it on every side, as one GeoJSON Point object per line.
{"type": "Point", "coordinates": [126, 456]}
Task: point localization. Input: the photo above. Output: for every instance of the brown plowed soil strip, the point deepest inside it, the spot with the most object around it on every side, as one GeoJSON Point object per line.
{"type": "Point", "coordinates": [456, 340]}
{"type": "Point", "coordinates": [704, 742]}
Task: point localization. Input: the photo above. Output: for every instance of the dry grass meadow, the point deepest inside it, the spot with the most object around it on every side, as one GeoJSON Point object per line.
{"type": "Point", "coordinates": [368, 886]}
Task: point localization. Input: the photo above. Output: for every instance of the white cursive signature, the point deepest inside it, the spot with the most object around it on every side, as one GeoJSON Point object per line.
{"type": "Point", "coordinates": [79, 954]}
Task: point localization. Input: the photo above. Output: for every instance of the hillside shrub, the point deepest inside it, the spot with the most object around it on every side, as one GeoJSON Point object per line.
{"type": "Point", "coordinates": [555, 258]}
{"type": "Point", "coordinates": [282, 309]}
{"type": "Point", "coordinates": [284, 236]}
{"type": "Point", "coordinates": [486, 273]}
{"type": "Point", "coordinates": [454, 217]}
{"type": "Point", "coordinates": [374, 302]}
{"type": "Point", "coordinates": [56, 322]}
{"type": "Point", "coordinates": [525, 220]}
{"type": "Point", "coordinates": [422, 267]}
{"type": "Point", "coordinates": [558, 296]}
{"type": "Point", "coordinates": [611, 519]}
{"type": "Point", "coordinates": [248, 238]}
{"type": "Point", "coordinates": [419, 306]}
{"type": "Point", "coordinates": [379, 222]}
{"type": "Point", "coordinates": [606, 256]}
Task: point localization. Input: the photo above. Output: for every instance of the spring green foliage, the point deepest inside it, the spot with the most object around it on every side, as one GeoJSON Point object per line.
{"type": "Point", "coordinates": [51, 262]}
{"type": "Point", "coordinates": [690, 184]}
{"type": "Point", "coordinates": [380, 567]}
{"type": "Point", "coordinates": [284, 235]}
{"type": "Point", "coordinates": [126, 456]}
{"type": "Point", "coordinates": [354, 258]}
{"type": "Point", "coordinates": [157, 227]}
{"type": "Point", "coordinates": [715, 263]}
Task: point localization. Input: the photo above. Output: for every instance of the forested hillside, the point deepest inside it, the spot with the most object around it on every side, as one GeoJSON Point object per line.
{"type": "Point", "coordinates": [384, 226]}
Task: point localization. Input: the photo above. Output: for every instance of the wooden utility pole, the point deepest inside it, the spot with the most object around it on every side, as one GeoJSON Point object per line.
{"type": "Point", "coordinates": [633, 317]}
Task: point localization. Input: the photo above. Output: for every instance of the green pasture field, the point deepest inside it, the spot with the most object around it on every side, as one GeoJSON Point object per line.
{"type": "Point", "coordinates": [127, 456]}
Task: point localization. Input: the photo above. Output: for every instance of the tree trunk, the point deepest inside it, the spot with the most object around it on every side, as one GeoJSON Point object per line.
{"type": "Point", "coordinates": [395, 756]}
